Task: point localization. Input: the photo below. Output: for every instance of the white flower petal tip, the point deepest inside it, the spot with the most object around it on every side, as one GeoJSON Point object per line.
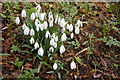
{"type": "Point", "coordinates": [55, 66]}
{"type": "Point", "coordinates": [62, 49]}
{"type": "Point", "coordinates": [72, 65]}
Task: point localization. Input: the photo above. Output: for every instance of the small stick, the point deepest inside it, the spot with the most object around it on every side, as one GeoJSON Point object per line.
{"type": "Point", "coordinates": [81, 51]}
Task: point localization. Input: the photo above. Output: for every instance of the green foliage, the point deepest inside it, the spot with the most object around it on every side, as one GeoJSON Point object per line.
{"type": "Point", "coordinates": [29, 74]}
{"type": "Point", "coordinates": [110, 41]}
{"type": "Point", "coordinates": [18, 63]}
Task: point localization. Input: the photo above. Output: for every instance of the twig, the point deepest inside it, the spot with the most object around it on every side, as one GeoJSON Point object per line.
{"type": "Point", "coordinates": [81, 51]}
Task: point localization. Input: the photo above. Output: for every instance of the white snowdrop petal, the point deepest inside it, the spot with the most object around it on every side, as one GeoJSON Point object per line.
{"type": "Point", "coordinates": [32, 17]}
{"type": "Point", "coordinates": [36, 45]}
{"type": "Point", "coordinates": [62, 49]}
{"type": "Point", "coordinates": [24, 26]}
{"type": "Point", "coordinates": [23, 13]}
{"type": "Point", "coordinates": [77, 30]}
{"type": "Point", "coordinates": [70, 28]}
{"type": "Point", "coordinates": [72, 65]}
{"type": "Point", "coordinates": [17, 20]}
{"type": "Point", "coordinates": [32, 32]}
{"type": "Point", "coordinates": [32, 40]}
{"type": "Point", "coordinates": [47, 34]}
{"type": "Point", "coordinates": [40, 51]}
{"type": "Point", "coordinates": [45, 25]}
{"type": "Point", "coordinates": [51, 49]}
{"type": "Point", "coordinates": [26, 31]}
{"type": "Point", "coordinates": [55, 66]}
{"type": "Point", "coordinates": [63, 37]}
{"type": "Point", "coordinates": [72, 35]}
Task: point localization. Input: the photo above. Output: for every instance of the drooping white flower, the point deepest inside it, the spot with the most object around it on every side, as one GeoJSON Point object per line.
{"type": "Point", "coordinates": [36, 14]}
{"type": "Point", "coordinates": [45, 25]}
{"type": "Point", "coordinates": [72, 35]}
{"type": "Point", "coordinates": [56, 38]}
{"type": "Point", "coordinates": [62, 23]}
{"type": "Point", "coordinates": [32, 32]}
{"type": "Point", "coordinates": [55, 45]}
{"type": "Point", "coordinates": [51, 49]}
{"type": "Point", "coordinates": [52, 42]}
{"type": "Point", "coordinates": [41, 27]}
{"type": "Point", "coordinates": [56, 18]}
{"type": "Point", "coordinates": [70, 28]}
{"type": "Point", "coordinates": [50, 14]}
{"type": "Point", "coordinates": [38, 8]}
{"type": "Point", "coordinates": [17, 20]}
{"type": "Point", "coordinates": [55, 66]}
{"type": "Point", "coordinates": [72, 65]}
{"type": "Point", "coordinates": [47, 34]}
{"type": "Point", "coordinates": [62, 49]}
{"type": "Point", "coordinates": [36, 45]}
{"type": "Point", "coordinates": [77, 30]}
{"type": "Point", "coordinates": [23, 13]}
{"type": "Point", "coordinates": [40, 51]}
{"type": "Point", "coordinates": [51, 23]}
{"type": "Point", "coordinates": [32, 17]}
{"type": "Point", "coordinates": [26, 31]}
{"type": "Point", "coordinates": [23, 26]}
{"type": "Point", "coordinates": [37, 22]}
{"type": "Point", "coordinates": [59, 20]}
{"type": "Point", "coordinates": [42, 16]}
{"type": "Point", "coordinates": [37, 27]}
{"type": "Point", "coordinates": [63, 37]}
{"type": "Point", "coordinates": [32, 40]}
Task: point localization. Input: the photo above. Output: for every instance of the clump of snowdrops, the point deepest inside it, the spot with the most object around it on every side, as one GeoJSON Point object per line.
{"type": "Point", "coordinates": [47, 32]}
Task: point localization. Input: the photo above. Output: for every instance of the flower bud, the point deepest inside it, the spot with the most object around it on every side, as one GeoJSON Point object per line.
{"type": "Point", "coordinates": [62, 49]}
{"type": "Point", "coordinates": [56, 18]}
{"type": "Point", "coordinates": [55, 66]}
{"type": "Point", "coordinates": [40, 51]}
{"type": "Point", "coordinates": [32, 17]}
{"type": "Point", "coordinates": [72, 35]}
{"type": "Point", "coordinates": [72, 65]}
{"type": "Point", "coordinates": [26, 31]}
{"type": "Point", "coordinates": [71, 28]}
{"type": "Point", "coordinates": [17, 20]}
{"type": "Point", "coordinates": [24, 26]}
{"type": "Point", "coordinates": [51, 23]}
{"type": "Point", "coordinates": [47, 34]}
{"type": "Point", "coordinates": [63, 37]}
{"type": "Point", "coordinates": [32, 32]}
{"type": "Point", "coordinates": [77, 30]}
{"type": "Point", "coordinates": [32, 40]}
{"type": "Point", "coordinates": [23, 13]}
{"type": "Point", "coordinates": [36, 45]}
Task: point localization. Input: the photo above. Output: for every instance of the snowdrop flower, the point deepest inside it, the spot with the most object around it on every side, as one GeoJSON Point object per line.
{"type": "Point", "coordinates": [51, 23]}
{"type": "Point", "coordinates": [55, 66]}
{"type": "Point", "coordinates": [70, 28]}
{"type": "Point", "coordinates": [40, 51]}
{"type": "Point", "coordinates": [36, 14]}
{"type": "Point", "coordinates": [26, 31]}
{"type": "Point", "coordinates": [36, 45]}
{"type": "Point", "coordinates": [41, 27]}
{"type": "Point", "coordinates": [62, 22]}
{"type": "Point", "coordinates": [50, 14]}
{"type": "Point", "coordinates": [59, 19]}
{"type": "Point", "coordinates": [38, 8]}
{"type": "Point", "coordinates": [51, 49]}
{"type": "Point", "coordinates": [37, 27]}
{"type": "Point", "coordinates": [32, 17]}
{"type": "Point", "coordinates": [56, 38]}
{"type": "Point", "coordinates": [52, 42]}
{"type": "Point", "coordinates": [23, 26]}
{"type": "Point", "coordinates": [47, 34]}
{"type": "Point", "coordinates": [56, 18]}
{"type": "Point", "coordinates": [17, 20]}
{"type": "Point", "coordinates": [32, 32]}
{"type": "Point", "coordinates": [42, 16]}
{"type": "Point", "coordinates": [63, 37]}
{"type": "Point", "coordinates": [72, 35]}
{"type": "Point", "coordinates": [37, 22]}
{"type": "Point", "coordinates": [45, 25]}
{"type": "Point", "coordinates": [77, 30]}
{"type": "Point", "coordinates": [32, 40]}
{"type": "Point", "coordinates": [72, 65]}
{"type": "Point", "coordinates": [62, 49]}
{"type": "Point", "coordinates": [23, 13]}
{"type": "Point", "coordinates": [55, 45]}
